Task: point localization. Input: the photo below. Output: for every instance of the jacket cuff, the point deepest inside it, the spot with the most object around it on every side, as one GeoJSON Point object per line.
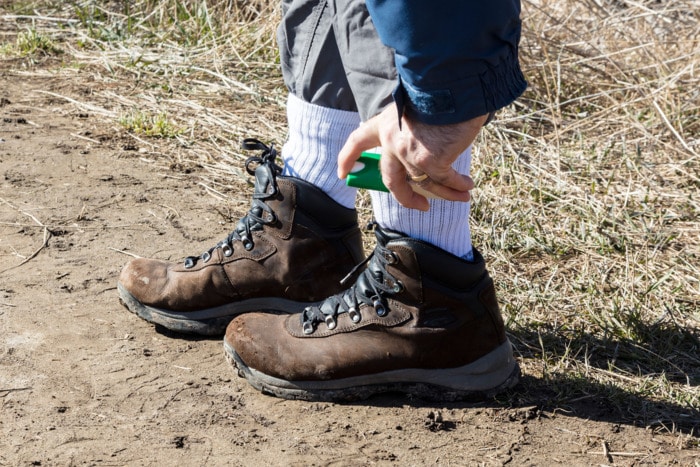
{"type": "Point", "coordinates": [463, 99]}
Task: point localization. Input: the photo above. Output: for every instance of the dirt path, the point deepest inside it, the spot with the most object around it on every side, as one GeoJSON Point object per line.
{"type": "Point", "coordinates": [82, 381]}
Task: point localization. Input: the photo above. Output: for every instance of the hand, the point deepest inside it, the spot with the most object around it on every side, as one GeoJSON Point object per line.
{"type": "Point", "coordinates": [412, 151]}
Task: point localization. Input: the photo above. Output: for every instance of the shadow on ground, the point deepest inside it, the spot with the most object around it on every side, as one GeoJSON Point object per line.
{"type": "Point", "coordinates": [587, 377]}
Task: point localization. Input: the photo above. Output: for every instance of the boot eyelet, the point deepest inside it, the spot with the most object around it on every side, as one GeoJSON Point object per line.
{"type": "Point", "coordinates": [190, 261]}
{"type": "Point", "coordinates": [228, 251]}
{"type": "Point", "coordinates": [355, 315]}
{"type": "Point", "coordinates": [398, 287]}
{"type": "Point", "coordinates": [391, 257]}
{"type": "Point", "coordinates": [247, 244]}
{"type": "Point", "coordinates": [206, 256]}
{"type": "Point", "coordinates": [308, 328]}
{"type": "Point", "coordinates": [379, 308]}
{"type": "Point", "coordinates": [330, 322]}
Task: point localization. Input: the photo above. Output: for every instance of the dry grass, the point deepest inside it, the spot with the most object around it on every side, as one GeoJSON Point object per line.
{"type": "Point", "coordinates": [588, 199]}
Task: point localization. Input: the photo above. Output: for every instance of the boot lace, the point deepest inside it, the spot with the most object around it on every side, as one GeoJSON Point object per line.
{"type": "Point", "coordinates": [265, 170]}
{"type": "Point", "coordinates": [371, 288]}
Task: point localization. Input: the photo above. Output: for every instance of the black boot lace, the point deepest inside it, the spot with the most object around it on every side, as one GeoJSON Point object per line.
{"type": "Point", "coordinates": [370, 288]}
{"type": "Point", "coordinates": [265, 170]}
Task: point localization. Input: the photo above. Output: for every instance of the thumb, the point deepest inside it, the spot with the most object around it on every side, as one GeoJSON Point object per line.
{"type": "Point", "coordinates": [365, 137]}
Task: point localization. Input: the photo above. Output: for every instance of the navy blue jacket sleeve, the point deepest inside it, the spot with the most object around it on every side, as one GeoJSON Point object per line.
{"type": "Point", "coordinates": [456, 59]}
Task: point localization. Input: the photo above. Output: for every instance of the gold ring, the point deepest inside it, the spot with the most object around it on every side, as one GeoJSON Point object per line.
{"type": "Point", "coordinates": [418, 178]}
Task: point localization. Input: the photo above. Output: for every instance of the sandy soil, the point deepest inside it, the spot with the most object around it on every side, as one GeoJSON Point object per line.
{"type": "Point", "coordinates": [82, 381]}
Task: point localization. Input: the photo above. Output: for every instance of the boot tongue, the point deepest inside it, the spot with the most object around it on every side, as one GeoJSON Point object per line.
{"type": "Point", "coordinates": [384, 236]}
{"type": "Point", "coordinates": [264, 180]}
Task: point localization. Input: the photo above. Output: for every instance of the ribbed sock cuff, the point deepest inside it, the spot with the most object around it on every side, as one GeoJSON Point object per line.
{"type": "Point", "coordinates": [316, 136]}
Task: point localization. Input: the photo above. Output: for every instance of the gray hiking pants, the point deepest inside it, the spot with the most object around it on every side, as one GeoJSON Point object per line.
{"type": "Point", "coordinates": [315, 39]}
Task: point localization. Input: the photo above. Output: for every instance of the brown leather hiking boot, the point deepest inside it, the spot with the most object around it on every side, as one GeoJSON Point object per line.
{"type": "Point", "coordinates": [418, 320]}
{"type": "Point", "coordinates": [291, 249]}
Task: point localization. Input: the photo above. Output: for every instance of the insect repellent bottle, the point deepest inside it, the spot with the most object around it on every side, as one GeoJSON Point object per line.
{"type": "Point", "coordinates": [366, 174]}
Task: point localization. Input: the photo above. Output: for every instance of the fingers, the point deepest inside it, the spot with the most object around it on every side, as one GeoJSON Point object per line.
{"type": "Point", "coordinates": [364, 138]}
{"type": "Point", "coordinates": [452, 186]}
{"type": "Point", "coordinates": [394, 177]}
{"type": "Point", "coordinates": [431, 189]}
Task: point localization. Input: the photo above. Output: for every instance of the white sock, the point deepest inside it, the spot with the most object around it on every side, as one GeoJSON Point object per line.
{"type": "Point", "coordinates": [316, 135]}
{"type": "Point", "coordinates": [445, 225]}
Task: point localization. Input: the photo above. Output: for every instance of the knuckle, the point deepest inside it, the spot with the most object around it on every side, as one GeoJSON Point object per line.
{"type": "Point", "coordinates": [421, 157]}
{"type": "Point", "coordinates": [392, 183]}
{"type": "Point", "coordinates": [354, 137]}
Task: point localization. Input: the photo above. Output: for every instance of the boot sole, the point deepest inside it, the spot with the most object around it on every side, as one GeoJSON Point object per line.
{"type": "Point", "coordinates": [479, 380]}
{"type": "Point", "coordinates": [208, 322]}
